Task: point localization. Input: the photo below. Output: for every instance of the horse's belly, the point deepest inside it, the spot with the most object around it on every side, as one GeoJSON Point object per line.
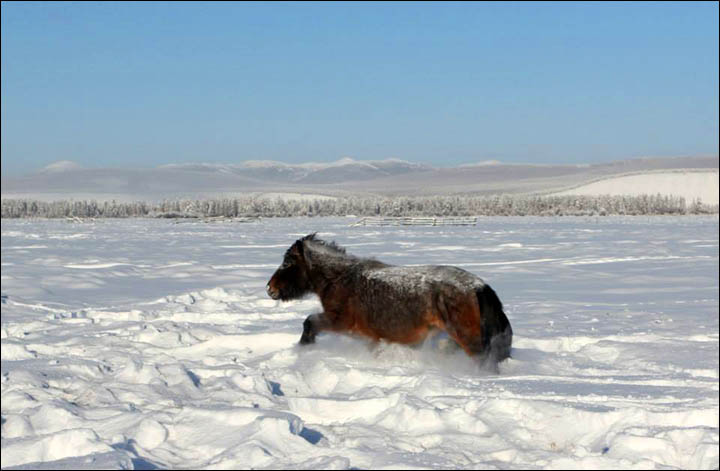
{"type": "Point", "coordinates": [398, 319]}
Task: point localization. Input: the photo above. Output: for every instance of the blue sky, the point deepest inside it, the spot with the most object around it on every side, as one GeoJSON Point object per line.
{"type": "Point", "coordinates": [145, 84]}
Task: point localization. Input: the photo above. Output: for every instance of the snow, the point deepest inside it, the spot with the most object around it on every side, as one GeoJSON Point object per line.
{"type": "Point", "coordinates": [142, 343]}
{"type": "Point", "coordinates": [416, 279]}
{"type": "Point", "coordinates": [690, 185]}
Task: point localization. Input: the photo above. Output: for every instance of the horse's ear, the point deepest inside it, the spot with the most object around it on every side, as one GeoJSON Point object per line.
{"type": "Point", "coordinates": [298, 249]}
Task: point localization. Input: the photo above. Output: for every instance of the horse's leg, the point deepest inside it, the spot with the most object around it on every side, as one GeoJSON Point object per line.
{"type": "Point", "coordinates": [312, 326]}
{"type": "Point", "coordinates": [316, 323]}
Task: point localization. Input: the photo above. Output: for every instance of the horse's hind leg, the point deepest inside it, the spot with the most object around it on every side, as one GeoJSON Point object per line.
{"type": "Point", "coordinates": [488, 352]}
{"type": "Point", "coordinates": [479, 339]}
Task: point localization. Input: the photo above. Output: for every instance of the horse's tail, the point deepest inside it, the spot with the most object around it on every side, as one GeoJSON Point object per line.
{"type": "Point", "coordinates": [497, 333]}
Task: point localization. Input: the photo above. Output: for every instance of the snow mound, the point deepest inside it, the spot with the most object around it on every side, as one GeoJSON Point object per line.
{"type": "Point", "coordinates": [55, 446]}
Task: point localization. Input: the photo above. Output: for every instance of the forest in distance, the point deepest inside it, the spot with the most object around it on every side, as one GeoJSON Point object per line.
{"type": "Point", "coordinates": [457, 205]}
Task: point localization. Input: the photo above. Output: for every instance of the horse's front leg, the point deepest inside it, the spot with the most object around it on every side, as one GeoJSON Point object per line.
{"type": "Point", "coordinates": [313, 325]}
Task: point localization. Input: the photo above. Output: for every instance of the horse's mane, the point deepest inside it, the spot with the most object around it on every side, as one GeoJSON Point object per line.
{"type": "Point", "coordinates": [332, 247]}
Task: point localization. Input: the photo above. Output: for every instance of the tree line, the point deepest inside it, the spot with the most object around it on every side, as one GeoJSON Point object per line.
{"type": "Point", "coordinates": [497, 205]}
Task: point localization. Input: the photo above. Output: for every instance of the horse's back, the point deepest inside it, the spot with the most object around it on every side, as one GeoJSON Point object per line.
{"type": "Point", "coordinates": [414, 280]}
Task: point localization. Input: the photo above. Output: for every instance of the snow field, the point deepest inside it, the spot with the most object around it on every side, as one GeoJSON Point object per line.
{"type": "Point", "coordinates": [135, 343]}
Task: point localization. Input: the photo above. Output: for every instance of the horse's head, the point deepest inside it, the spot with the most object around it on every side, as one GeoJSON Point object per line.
{"type": "Point", "coordinates": [291, 279]}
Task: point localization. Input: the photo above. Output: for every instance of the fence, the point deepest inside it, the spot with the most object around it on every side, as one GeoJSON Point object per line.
{"type": "Point", "coordinates": [416, 221]}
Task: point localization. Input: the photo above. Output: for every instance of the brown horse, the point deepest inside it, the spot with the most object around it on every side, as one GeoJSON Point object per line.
{"type": "Point", "coordinates": [395, 303]}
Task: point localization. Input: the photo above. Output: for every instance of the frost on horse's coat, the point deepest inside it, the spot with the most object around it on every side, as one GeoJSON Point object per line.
{"type": "Point", "coordinates": [394, 303]}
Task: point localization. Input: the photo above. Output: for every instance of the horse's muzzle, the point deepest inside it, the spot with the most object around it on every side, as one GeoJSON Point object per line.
{"type": "Point", "coordinates": [272, 292]}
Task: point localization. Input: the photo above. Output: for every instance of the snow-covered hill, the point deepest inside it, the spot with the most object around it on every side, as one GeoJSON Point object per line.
{"type": "Point", "coordinates": [692, 186]}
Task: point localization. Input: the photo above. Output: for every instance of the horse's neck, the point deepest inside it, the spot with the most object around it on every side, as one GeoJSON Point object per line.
{"type": "Point", "coordinates": [328, 269]}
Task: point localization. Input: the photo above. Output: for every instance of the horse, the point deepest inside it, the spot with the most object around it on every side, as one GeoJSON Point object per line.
{"type": "Point", "coordinates": [401, 304]}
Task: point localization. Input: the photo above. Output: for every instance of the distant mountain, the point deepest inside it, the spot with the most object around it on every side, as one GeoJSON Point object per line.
{"type": "Point", "coordinates": [65, 179]}
{"type": "Point", "coordinates": [343, 170]}
{"type": "Point", "coordinates": [61, 166]}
